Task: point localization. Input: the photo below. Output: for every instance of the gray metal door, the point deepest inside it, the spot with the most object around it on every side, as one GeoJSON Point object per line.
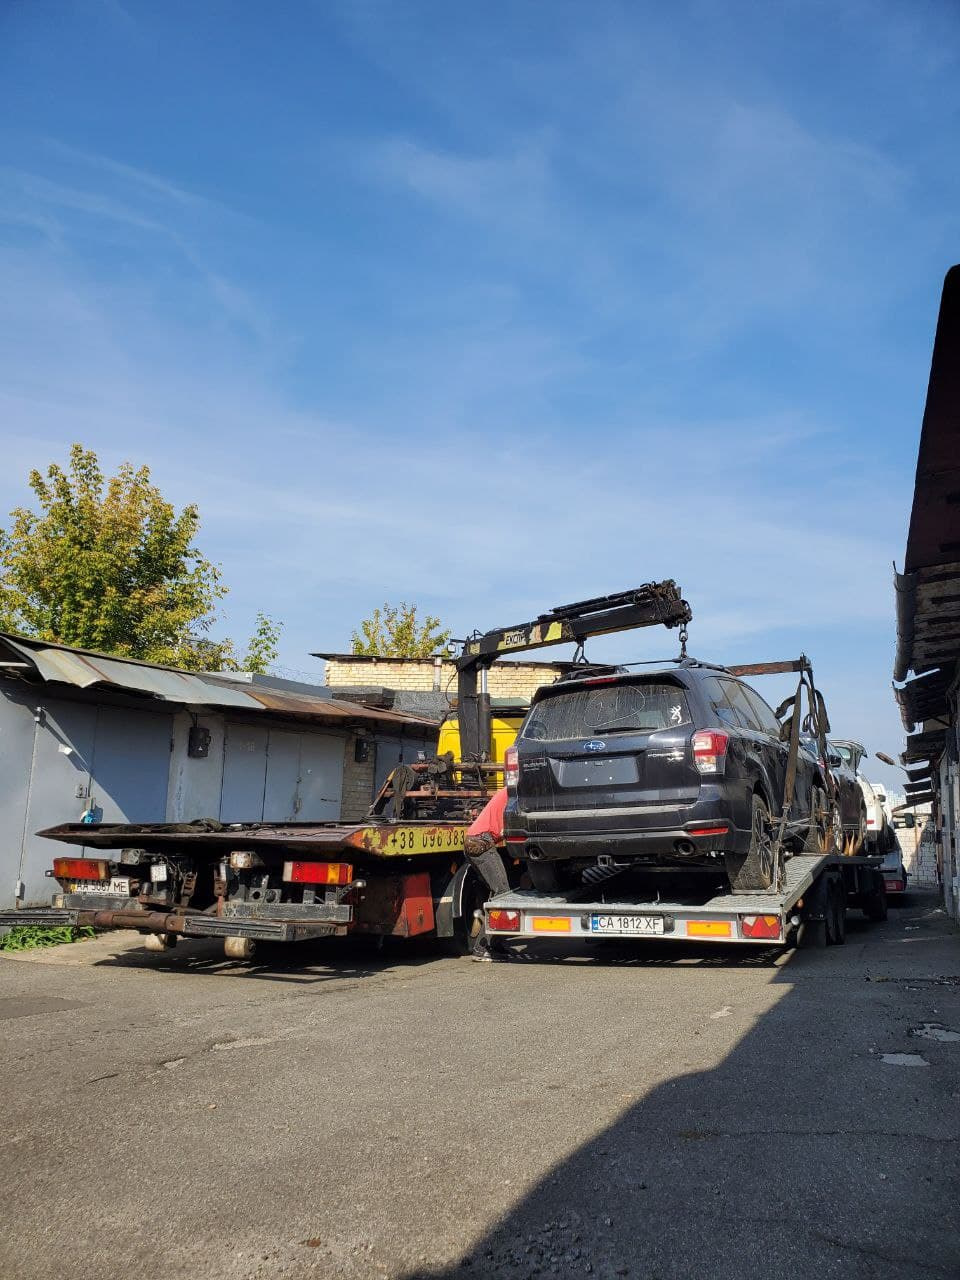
{"type": "Point", "coordinates": [321, 777]}
{"type": "Point", "coordinates": [244, 773]}
{"type": "Point", "coordinates": [131, 765]}
{"type": "Point", "coordinates": [63, 748]}
{"type": "Point", "coordinates": [281, 799]}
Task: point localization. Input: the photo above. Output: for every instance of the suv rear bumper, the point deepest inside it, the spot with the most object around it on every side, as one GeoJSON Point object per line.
{"type": "Point", "coordinates": [689, 841]}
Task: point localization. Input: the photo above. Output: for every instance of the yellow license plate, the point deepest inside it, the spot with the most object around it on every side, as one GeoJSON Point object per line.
{"type": "Point", "coordinates": [399, 841]}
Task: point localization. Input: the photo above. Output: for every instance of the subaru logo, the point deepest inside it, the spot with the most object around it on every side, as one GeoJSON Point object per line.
{"type": "Point", "coordinates": [594, 745]}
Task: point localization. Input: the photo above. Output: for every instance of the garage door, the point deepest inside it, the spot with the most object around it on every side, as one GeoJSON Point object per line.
{"type": "Point", "coordinates": [273, 775]}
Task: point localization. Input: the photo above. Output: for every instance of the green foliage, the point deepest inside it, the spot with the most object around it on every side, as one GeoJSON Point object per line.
{"type": "Point", "coordinates": [393, 632]}
{"type": "Point", "coordinates": [109, 564]}
{"type": "Point", "coordinates": [262, 647]}
{"type": "Point", "coordinates": [28, 937]}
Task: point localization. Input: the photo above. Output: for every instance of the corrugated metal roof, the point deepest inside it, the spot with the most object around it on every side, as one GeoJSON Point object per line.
{"type": "Point", "coordinates": [84, 669]}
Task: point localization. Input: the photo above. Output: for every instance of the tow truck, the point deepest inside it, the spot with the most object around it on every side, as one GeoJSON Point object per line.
{"type": "Point", "coordinates": [401, 872]}
{"type": "Point", "coordinates": [806, 903]}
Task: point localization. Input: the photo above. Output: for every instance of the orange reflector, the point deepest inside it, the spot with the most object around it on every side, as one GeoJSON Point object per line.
{"type": "Point", "coordinates": [760, 926]}
{"type": "Point", "coordinates": [551, 924]}
{"type": "Point", "coordinates": [317, 872]}
{"type": "Point", "coordinates": [81, 869]}
{"type": "Point", "coordinates": [503, 921]}
{"type": "Point", "coordinates": [708, 929]}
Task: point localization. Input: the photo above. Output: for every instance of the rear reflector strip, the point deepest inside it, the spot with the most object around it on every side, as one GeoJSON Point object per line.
{"type": "Point", "coordinates": [760, 926]}
{"type": "Point", "coordinates": [710, 831]}
{"type": "Point", "coordinates": [551, 924]}
{"type": "Point", "coordinates": [81, 869]}
{"type": "Point", "coordinates": [317, 872]}
{"type": "Point", "coordinates": [503, 921]}
{"type": "Point", "coordinates": [708, 929]}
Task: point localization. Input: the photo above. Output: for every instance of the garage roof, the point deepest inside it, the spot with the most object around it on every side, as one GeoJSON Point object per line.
{"type": "Point", "coordinates": [37, 661]}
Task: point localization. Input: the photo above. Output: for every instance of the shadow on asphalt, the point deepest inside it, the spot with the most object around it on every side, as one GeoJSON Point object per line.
{"type": "Point", "coordinates": [801, 1153]}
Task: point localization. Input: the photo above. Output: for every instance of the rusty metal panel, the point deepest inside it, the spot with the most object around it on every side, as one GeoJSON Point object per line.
{"type": "Point", "coordinates": [416, 915]}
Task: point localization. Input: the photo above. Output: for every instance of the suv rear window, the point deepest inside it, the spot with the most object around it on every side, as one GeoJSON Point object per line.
{"type": "Point", "coordinates": [614, 708]}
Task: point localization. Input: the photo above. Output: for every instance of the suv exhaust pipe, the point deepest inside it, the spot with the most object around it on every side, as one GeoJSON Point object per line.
{"type": "Point", "coordinates": [685, 847]}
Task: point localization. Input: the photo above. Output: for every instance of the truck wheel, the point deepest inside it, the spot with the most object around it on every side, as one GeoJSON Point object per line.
{"type": "Point", "coordinates": [836, 921]}
{"type": "Point", "coordinates": [760, 867]}
{"type": "Point", "coordinates": [812, 935]}
{"type": "Point", "coordinates": [239, 948]}
{"type": "Point", "coordinates": [875, 902]}
{"type": "Point", "coordinates": [159, 941]}
{"type": "Point", "coordinates": [467, 926]}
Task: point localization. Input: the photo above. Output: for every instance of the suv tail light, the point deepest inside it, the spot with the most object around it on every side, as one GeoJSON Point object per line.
{"type": "Point", "coordinates": [511, 768]}
{"type": "Point", "coordinates": [710, 750]}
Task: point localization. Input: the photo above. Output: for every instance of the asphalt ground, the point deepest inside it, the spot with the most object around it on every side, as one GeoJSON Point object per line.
{"type": "Point", "coordinates": [628, 1110]}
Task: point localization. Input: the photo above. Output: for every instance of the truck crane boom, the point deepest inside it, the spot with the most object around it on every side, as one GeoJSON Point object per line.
{"type": "Point", "coordinates": [653, 604]}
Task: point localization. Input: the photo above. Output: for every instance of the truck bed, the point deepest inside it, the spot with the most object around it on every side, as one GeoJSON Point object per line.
{"type": "Point", "coordinates": [707, 916]}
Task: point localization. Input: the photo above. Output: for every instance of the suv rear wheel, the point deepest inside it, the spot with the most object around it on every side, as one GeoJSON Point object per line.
{"type": "Point", "coordinates": [761, 867]}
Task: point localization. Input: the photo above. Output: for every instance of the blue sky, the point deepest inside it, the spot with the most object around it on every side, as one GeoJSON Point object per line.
{"type": "Point", "coordinates": [493, 307]}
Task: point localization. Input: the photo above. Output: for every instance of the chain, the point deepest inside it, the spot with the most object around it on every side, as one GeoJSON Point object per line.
{"type": "Point", "coordinates": [684, 636]}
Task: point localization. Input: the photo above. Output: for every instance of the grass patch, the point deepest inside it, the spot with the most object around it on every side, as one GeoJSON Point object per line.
{"type": "Point", "coordinates": [28, 937]}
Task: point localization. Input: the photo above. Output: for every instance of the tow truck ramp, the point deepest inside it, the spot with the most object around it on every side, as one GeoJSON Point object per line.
{"type": "Point", "coordinates": [746, 919]}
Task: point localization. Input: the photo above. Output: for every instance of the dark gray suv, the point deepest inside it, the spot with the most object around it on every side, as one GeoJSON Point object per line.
{"type": "Point", "coordinates": [679, 767]}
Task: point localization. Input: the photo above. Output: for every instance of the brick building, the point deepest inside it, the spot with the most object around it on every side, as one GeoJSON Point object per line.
{"type": "Point", "coordinates": [511, 680]}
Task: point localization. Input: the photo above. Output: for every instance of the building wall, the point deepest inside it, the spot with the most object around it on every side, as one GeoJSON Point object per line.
{"type": "Point", "coordinates": [505, 679]}
{"type": "Point", "coordinates": [60, 757]}
{"type": "Point", "coordinates": [919, 847]}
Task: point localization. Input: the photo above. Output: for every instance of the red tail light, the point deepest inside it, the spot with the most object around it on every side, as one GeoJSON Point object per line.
{"type": "Point", "coordinates": [511, 768]}
{"type": "Point", "coordinates": [760, 927]}
{"type": "Point", "coordinates": [895, 886]}
{"type": "Point", "coordinates": [710, 750]}
{"type": "Point", "coordinates": [503, 921]}
{"type": "Point", "coordinates": [317, 872]}
{"type": "Point", "coordinates": [81, 869]}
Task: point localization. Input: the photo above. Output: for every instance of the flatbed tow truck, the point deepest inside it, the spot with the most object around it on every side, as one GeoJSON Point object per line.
{"type": "Point", "coordinates": [401, 872]}
{"type": "Point", "coordinates": [809, 908]}
{"type": "Point", "coordinates": [805, 905]}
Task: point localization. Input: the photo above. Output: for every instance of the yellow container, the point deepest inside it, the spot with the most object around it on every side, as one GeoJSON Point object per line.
{"type": "Point", "coordinates": [504, 729]}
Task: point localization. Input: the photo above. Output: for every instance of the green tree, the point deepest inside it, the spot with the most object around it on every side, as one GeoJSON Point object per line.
{"type": "Point", "coordinates": [393, 632]}
{"type": "Point", "coordinates": [111, 565]}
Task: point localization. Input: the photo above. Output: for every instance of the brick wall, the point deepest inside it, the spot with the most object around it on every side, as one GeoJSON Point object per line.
{"type": "Point", "coordinates": [505, 679]}
{"type": "Point", "coordinates": [358, 779]}
{"type": "Point", "coordinates": [919, 846]}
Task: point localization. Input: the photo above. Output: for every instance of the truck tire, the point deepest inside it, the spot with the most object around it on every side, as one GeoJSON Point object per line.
{"type": "Point", "coordinates": [467, 925]}
{"type": "Point", "coordinates": [239, 948]}
{"type": "Point", "coordinates": [159, 941]}
{"type": "Point", "coordinates": [875, 902]}
{"type": "Point", "coordinates": [814, 930]}
{"type": "Point", "coordinates": [760, 868]}
{"type": "Point", "coordinates": [836, 920]}
{"type": "Point", "coordinates": [812, 935]}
